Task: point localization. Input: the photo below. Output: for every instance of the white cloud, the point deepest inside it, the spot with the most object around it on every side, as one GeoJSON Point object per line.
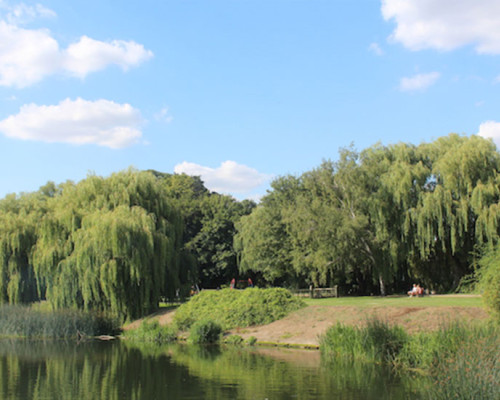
{"type": "Point", "coordinates": [376, 49]}
{"type": "Point", "coordinates": [101, 122]}
{"type": "Point", "coordinates": [89, 55]}
{"type": "Point", "coordinates": [29, 55]}
{"type": "Point", "coordinates": [418, 82]}
{"type": "Point", "coordinates": [164, 116]}
{"type": "Point", "coordinates": [445, 24]}
{"type": "Point", "coordinates": [22, 13]}
{"type": "Point", "coordinates": [230, 177]}
{"type": "Point", "coordinates": [490, 129]}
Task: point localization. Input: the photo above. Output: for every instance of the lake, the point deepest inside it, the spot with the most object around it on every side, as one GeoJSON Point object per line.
{"type": "Point", "coordinates": [119, 370]}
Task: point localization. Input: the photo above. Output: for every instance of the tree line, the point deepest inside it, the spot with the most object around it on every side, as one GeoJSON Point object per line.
{"type": "Point", "coordinates": [375, 221]}
{"type": "Point", "coordinates": [371, 222]}
{"type": "Point", "coordinates": [116, 244]}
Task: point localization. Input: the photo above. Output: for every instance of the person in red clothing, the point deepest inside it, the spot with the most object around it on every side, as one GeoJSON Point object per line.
{"type": "Point", "coordinates": [233, 283]}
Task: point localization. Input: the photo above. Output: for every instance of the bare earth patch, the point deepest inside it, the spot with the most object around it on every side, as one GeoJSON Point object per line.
{"type": "Point", "coordinates": [306, 325]}
{"type": "Point", "coordinates": [164, 317]}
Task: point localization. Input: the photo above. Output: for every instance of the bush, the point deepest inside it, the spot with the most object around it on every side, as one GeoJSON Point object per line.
{"type": "Point", "coordinates": [489, 280]}
{"type": "Point", "coordinates": [205, 331]}
{"type": "Point", "coordinates": [238, 308]}
{"type": "Point", "coordinates": [233, 339]}
{"type": "Point", "coordinates": [251, 341]}
{"type": "Point", "coordinates": [152, 332]}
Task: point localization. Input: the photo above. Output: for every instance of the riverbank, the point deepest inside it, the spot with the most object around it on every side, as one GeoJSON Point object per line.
{"type": "Point", "coordinates": [304, 327]}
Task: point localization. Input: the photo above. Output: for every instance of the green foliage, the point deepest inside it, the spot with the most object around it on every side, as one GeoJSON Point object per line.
{"type": "Point", "coordinates": [489, 279]}
{"type": "Point", "coordinates": [152, 332]}
{"type": "Point", "coordinates": [463, 362]}
{"type": "Point", "coordinates": [24, 321]}
{"type": "Point", "coordinates": [384, 217]}
{"type": "Point", "coordinates": [205, 331]}
{"type": "Point", "coordinates": [376, 342]}
{"type": "Point", "coordinates": [250, 341]}
{"type": "Point", "coordinates": [209, 220]}
{"type": "Point", "coordinates": [472, 372]}
{"type": "Point", "coordinates": [233, 340]}
{"type": "Point", "coordinates": [237, 308]}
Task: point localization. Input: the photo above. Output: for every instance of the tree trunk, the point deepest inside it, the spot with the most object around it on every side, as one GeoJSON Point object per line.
{"type": "Point", "coordinates": [382, 284]}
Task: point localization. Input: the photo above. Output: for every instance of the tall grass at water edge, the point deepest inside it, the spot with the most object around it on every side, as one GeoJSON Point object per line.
{"type": "Point", "coordinates": [28, 322]}
{"type": "Point", "coordinates": [152, 332]}
{"type": "Point", "coordinates": [461, 362]}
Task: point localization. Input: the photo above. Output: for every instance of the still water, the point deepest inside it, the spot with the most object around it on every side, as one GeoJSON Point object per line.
{"type": "Point", "coordinates": [117, 370]}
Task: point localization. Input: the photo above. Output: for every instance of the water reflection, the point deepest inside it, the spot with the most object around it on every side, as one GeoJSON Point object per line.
{"type": "Point", "coordinates": [96, 370]}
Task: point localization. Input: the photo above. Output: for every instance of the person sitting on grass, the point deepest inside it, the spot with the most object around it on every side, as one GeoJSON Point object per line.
{"type": "Point", "coordinates": [413, 291]}
{"type": "Point", "coordinates": [420, 291]}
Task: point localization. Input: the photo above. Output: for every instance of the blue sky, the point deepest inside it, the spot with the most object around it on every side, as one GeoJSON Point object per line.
{"type": "Point", "coordinates": [236, 91]}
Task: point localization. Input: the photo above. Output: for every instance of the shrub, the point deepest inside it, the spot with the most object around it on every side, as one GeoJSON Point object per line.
{"type": "Point", "coordinates": [489, 280]}
{"type": "Point", "coordinates": [238, 308]}
{"type": "Point", "coordinates": [205, 331]}
{"type": "Point", "coordinates": [152, 332]}
{"type": "Point", "coordinates": [251, 341]}
{"type": "Point", "coordinates": [233, 339]}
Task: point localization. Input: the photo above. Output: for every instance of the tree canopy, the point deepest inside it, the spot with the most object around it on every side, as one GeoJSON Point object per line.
{"type": "Point", "coordinates": [375, 220]}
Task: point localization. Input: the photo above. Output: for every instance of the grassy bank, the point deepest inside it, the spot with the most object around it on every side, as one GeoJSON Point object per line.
{"type": "Point", "coordinates": [237, 308]}
{"type": "Point", "coordinates": [209, 313]}
{"type": "Point", "coordinates": [462, 362]}
{"type": "Point", "coordinates": [33, 322]}
{"type": "Point", "coordinates": [401, 301]}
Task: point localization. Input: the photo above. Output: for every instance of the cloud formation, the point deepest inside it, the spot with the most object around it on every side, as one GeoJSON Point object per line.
{"type": "Point", "coordinates": [230, 177]}
{"type": "Point", "coordinates": [376, 49]}
{"type": "Point", "coordinates": [29, 55]}
{"type": "Point", "coordinates": [490, 130]}
{"type": "Point", "coordinates": [100, 122]}
{"type": "Point", "coordinates": [418, 82]}
{"type": "Point", "coordinates": [21, 13]}
{"type": "Point", "coordinates": [445, 24]}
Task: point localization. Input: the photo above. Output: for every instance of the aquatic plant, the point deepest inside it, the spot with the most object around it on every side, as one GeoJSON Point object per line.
{"type": "Point", "coordinates": [152, 332]}
{"type": "Point", "coordinates": [24, 321]}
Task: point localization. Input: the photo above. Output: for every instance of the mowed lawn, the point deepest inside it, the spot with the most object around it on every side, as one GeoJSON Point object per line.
{"type": "Point", "coordinates": [455, 300]}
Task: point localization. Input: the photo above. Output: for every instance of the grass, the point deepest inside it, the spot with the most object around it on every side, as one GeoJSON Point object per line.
{"type": "Point", "coordinates": [152, 332]}
{"type": "Point", "coordinates": [463, 362]}
{"type": "Point", "coordinates": [38, 322]}
{"type": "Point", "coordinates": [400, 301]}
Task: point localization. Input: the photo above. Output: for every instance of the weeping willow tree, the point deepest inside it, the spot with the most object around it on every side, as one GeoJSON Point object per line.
{"type": "Point", "coordinates": [381, 217]}
{"type": "Point", "coordinates": [110, 244]}
{"type": "Point", "coordinates": [18, 224]}
{"type": "Point", "coordinates": [458, 212]}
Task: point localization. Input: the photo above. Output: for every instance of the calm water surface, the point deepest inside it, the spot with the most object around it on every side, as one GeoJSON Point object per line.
{"type": "Point", "coordinates": [121, 371]}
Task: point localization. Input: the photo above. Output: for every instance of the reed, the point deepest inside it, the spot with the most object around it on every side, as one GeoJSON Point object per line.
{"type": "Point", "coordinates": [463, 362]}
{"type": "Point", "coordinates": [25, 321]}
{"type": "Point", "coordinates": [152, 332]}
{"type": "Point", "coordinates": [376, 342]}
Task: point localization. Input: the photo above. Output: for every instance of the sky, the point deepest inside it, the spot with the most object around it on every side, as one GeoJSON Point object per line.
{"type": "Point", "coordinates": [238, 92]}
